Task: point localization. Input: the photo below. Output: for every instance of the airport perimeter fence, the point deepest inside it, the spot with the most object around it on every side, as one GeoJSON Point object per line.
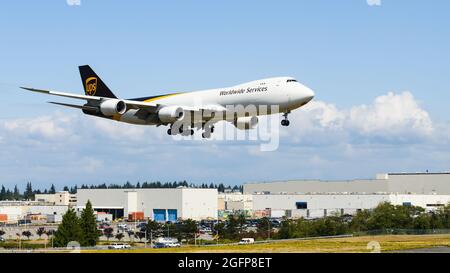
{"type": "Point", "coordinates": [402, 232]}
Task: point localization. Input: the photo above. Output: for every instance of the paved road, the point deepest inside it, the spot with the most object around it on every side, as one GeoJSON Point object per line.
{"type": "Point", "coordinates": [440, 249]}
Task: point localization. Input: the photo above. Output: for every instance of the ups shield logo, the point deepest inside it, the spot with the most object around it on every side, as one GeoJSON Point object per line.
{"type": "Point", "coordinates": [91, 86]}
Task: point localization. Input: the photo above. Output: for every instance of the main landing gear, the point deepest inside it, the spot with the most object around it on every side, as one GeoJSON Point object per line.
{"type": "Point", "coordinates": [285, 121]}
{"type": "Point", "coordinates": [208, 131]}
{"type": "Point", "coordinates": [181, 130]}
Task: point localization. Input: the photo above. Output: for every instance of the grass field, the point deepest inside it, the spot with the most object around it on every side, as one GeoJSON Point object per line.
{"type": "Point", "coordinates": [336, 245]}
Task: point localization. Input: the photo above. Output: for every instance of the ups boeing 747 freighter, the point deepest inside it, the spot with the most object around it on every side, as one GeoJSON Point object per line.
{"type": "Point", "coordinates": [283, 94]}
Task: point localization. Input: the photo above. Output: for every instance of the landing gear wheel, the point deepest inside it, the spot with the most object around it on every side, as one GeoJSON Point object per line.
{"type": "Point", "coordinates": [285, 122]}
{"type": "Point", "coordinates": [207, 131]}
{"type": "Point", "coordinates": [192, 132]}
{"type": "Point", "coordinates": [206, 135]}
{"type": "Point", "coordinates": [169, 132]}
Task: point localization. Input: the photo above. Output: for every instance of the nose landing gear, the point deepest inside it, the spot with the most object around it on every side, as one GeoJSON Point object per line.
{"type": "Point", "coordinates": [285, 121]}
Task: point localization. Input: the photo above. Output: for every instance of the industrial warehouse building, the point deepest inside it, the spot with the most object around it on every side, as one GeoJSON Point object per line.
{"type": "Point", "coordinates": [157, 204]}
{"type": "Point", "coordinates": [321, 205]}
{"type": "Point", "coordinates": [317, 198]}
{"type": "Point", "coordinates": [402, 183]}
{"type": "Point", "coordinates": [13, 211]}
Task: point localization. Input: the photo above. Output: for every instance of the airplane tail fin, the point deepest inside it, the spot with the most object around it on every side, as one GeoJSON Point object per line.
{"type": "Point", "coordinates": [92, 84]}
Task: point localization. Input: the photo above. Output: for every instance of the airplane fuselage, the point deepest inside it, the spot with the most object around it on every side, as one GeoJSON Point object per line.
{"type": "Point", "coordinates": [239, 104]}
{"type": "Point", "coordinates": [285, 93]}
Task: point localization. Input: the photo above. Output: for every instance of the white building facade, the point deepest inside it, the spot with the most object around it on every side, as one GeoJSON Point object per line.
{"type": "Point", "coordinates": [61, 198]}
{"type": "Point", "coordinates": [156, 204]}
{"type": "Point", "coordinates": [19, 210]}
{"type": "Point", "coordinates": [320, 205]}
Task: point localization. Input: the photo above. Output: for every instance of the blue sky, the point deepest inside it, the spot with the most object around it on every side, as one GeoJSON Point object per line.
{"type": "Point", "coordinates": [349, 52]}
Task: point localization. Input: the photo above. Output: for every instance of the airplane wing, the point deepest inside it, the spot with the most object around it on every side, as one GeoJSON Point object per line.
{"type": "Point", "coordinates": [208, 112]}
{"type": "Point", "coordinates": [130, 104]}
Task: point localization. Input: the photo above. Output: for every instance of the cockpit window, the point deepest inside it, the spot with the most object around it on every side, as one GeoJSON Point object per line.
{"type": "Point", "coordinates": [291, 80]}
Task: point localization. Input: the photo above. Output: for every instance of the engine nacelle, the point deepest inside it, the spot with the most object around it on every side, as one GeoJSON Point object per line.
{"type": "Point", "coordinates": [170, 114]}
{"type": "Point", "coordinates": [245, 123]}
{"type": "Point", "coordinates": [113, 107]}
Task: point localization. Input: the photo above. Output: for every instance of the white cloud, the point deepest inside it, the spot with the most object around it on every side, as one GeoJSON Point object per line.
{"type": "Point", "coordinates": [390, 118]}
{"type": "Point", "coordinates": [374, 2]}
{"type": "Point", "coordinates": [90, 164]}
{"type": "Point", "coordinates": [390, 115]}
{"type": "Point", "coordinates": [46, 127]}
{"type": "Point", "coordinates": [73, 2]}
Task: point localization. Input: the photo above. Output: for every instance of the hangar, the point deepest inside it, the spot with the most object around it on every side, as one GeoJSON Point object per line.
{"type": "Point", "coordinates": [319, 198]}
{"type": "Point", "coordinates": [156, 204]}
{"type": "Point", "coordinates": [400, 183]}
{"type": "Point", "coordinates": [322, 205]}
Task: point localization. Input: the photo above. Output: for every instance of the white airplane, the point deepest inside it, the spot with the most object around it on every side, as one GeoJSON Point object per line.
{"type": "Point", "coordinates": [199, 109]}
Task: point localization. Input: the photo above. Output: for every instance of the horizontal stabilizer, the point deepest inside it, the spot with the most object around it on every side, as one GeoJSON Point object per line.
{"type": "Point", "coordinates": [83, 107]}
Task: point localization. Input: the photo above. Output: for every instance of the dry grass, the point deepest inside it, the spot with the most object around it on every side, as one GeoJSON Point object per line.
{"type": "Point", "coordinates": [337, 245]}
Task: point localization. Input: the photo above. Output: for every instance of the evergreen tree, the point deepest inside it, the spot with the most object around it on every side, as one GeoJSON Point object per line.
{"type": "Point", "coordinates": [52, 189]}
{"type": "Point", "coordinates": [16, 194]}
{"type": "Point", "coordinates": [28, 194]}
{"type": "Point", "coordinates": [3, 193]}
{"type": "Point", "coordinates": [69, 230]}
{"type": "Point", "coordinates": [88, 226]}
{"type": "Point", "coordinates": [9, 195]}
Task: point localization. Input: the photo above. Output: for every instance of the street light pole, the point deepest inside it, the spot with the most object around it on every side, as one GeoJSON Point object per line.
{"type": "Point", "coordinates": [151, 239]}
{"type": "Point", "coordinates": [145, 243]}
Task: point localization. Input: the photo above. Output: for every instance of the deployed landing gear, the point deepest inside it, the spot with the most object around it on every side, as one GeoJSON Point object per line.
{"type": "Point", "coordinates": [189, 132]}
{"type": "Point", "coordinates": [285, 121]}
{"type": "Point", "coordinates": [208, 131]}
{"type": "Point", "coordinates": [181, 130]}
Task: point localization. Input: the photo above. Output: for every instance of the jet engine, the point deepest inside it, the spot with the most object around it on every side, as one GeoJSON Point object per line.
{"type": "Point", "coordinates": [170, 114]}
{"type": "Point", "coordinates": [245, 123]}
{"type": "Point", "coordinates": [113, 107]}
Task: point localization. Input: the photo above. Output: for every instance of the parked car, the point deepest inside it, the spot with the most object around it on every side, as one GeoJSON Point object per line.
{"type": "Point", "coordinates": [247, 241]}
{"type": "Point", "coordinates": [141, 225]}
{"type": "Point", "coordinates": [119, 246]}
{"type": "Point", "coordinates": [159, 245]}
{"type": "Point", "coordinates": [24, 222]}
{"type": "Point", "coordinates": [122, 227]}
{"type": "Point", "coordinates": [207, 230]}
{"type": "Point", "coordinates": [173, 245]}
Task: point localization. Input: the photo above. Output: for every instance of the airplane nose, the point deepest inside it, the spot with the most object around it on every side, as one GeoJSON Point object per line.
{"type": "Point", "coordinates": [309, 93]}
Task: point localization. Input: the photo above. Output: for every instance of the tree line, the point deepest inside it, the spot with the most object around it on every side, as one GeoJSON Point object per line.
{"type": "Point", "coordinates": [385, 218]}
{"type": "Point", "coordinates": [29, 192]}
